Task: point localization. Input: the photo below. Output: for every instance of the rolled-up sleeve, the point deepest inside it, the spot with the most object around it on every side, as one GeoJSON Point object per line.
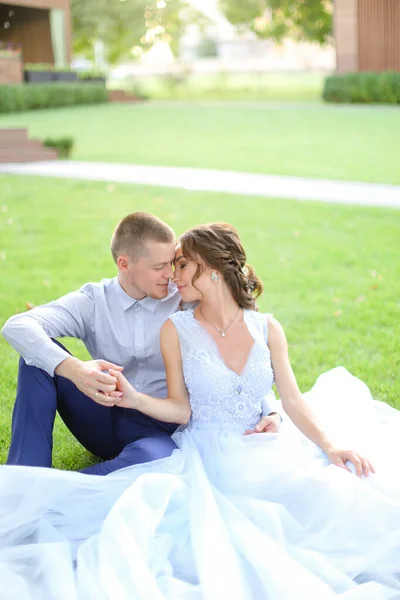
{"type": "Point", "coordinates": [30, 333]}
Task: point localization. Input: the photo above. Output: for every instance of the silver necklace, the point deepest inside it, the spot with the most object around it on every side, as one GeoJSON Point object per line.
{"type": "Point", "coordinates": [221, 331]}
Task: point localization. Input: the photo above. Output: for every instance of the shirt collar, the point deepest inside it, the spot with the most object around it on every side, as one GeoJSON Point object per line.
{"type": "Point", "coordinates": [147, 302]}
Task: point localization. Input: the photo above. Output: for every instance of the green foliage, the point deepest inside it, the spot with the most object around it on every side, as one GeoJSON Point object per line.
{"type": "Point", "coordinates": [64, 69]}
{"type": "Point", "coordinates": [15, 98]}
{"type": "Point", "coordinates": [9, 50]}
{"type": "Point", "coordinates": [363, 88]}
{"type": "Point", "coordinates": [48, 67]}
{"type": "Point", "coordinates": [309, 20]}
{"type": "Point", "coordinates": [208, 47]}
{"type": "Point", "coordinates": [64, 145]}
{"type": "Point", "coordinates": [91, 74]}
{"type": "Point", "coordinates": [123, 25]}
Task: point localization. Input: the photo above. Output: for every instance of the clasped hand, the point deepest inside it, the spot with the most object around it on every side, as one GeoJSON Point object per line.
{"type": "Point", "coordinates": [106, 388]}
{"type": "Point", "coordinates": [125, 394]}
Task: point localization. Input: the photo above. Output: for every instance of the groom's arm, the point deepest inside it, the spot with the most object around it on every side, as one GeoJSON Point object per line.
{"type": "Point", "coordinates": [30, 333]}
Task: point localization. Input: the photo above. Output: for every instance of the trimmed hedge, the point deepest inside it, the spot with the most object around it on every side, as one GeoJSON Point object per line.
{"type": "Point", "coordinates": [64, 145]}
{"type": "Point", "coordinates": [363, 88]}
{"type": "Point", "coordinates": [16, 98]}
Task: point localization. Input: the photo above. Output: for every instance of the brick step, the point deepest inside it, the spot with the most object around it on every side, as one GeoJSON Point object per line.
{"type": "Point", "coordinates": [34, 155]}
{"type": "Point", "coordinates": [13, 134]}
{"type": "Point", "coordinates": [122, 96]}
{"type": "Point", "coordinates": [20, 144]}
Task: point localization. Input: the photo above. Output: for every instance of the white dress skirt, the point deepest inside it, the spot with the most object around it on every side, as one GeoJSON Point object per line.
{"type": "Point", "coordinates": [259, 517]}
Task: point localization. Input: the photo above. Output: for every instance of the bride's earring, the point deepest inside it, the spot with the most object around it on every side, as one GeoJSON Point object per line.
{"type": "Point", "coordinates": [214, 276]}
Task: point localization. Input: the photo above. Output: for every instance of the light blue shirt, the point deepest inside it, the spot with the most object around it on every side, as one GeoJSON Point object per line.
{"type": "Point", "coordinates": [112, 325]}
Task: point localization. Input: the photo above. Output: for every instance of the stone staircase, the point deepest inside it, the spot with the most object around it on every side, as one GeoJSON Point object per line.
{"type": "Point", "coordinates": [16, 147]}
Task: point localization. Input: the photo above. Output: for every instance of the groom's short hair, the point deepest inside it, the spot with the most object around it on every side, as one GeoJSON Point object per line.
{"type": "Point", "coordinates": [132, 233]}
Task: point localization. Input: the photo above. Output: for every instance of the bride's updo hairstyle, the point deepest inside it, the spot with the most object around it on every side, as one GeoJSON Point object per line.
{"type": "Point", "coordinates": [219, 246]}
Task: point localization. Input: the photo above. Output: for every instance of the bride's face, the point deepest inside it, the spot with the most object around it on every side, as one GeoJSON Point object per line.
{"type": "Point", "coordinates": [184, 273]}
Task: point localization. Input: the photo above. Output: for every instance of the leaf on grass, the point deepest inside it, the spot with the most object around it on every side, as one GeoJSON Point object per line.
{"type": "Point", "coordinates": [360, 299]}
{"type": "Point", "coordinates": [29, 305]}
{"type": "Point", "coordinates": [337, 313]}
{"type": "Point", "coordinates": [374, 286]}
{"type": "Point", "coordinates": [46, 283]}
{"type": "Point", "coordinates": [336, 300]}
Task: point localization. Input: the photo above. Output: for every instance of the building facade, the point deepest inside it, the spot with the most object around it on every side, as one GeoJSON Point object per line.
{"type": "Point", "coordinates": [38, 30]}
{"type": "Point", "coordinates": [367, 34]}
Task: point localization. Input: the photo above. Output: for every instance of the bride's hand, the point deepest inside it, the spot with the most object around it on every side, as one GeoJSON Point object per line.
{"type": "Point", "coordinates": [339, 457]}
{"type": "Point", "coordinates": [126, 396]}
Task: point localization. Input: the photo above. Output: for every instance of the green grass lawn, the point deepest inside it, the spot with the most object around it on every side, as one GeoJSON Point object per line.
{"type": "Point", "coordinates": [330, 272]}
{"type": "Point", "coordinates": [311, 140]}
{"type": "Point", "coordinates": [276, 87]}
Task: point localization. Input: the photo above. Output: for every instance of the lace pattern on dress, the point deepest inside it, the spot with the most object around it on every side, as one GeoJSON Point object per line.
{"type": "Point", "coordinates": [217, 394]}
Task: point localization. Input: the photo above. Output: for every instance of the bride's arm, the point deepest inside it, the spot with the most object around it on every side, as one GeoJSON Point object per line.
{"type": "Point", "coordinates": [175, 408]}
{"type": "Point", "coordinates": [296, 406]}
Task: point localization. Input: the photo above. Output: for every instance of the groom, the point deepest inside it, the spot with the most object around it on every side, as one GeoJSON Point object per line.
{"type": "Point", "coordinates": [119, 321]}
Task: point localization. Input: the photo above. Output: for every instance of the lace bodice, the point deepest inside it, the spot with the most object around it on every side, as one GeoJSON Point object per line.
{"type": "Point", "coordinates": [218, 394]}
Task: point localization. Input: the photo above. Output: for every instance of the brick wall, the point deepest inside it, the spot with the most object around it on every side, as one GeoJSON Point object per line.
{"type": "Point", "coordinates": [10, 70]}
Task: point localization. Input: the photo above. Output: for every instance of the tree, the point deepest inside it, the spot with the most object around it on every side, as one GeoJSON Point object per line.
{"type": "Point", "coordinates": [309, 20]}
{"type": "Point", "coordinates": [126, 24]}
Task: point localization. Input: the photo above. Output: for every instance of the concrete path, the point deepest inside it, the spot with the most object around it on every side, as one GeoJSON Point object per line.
{"type": "Point", "coordinates": [207, 180]}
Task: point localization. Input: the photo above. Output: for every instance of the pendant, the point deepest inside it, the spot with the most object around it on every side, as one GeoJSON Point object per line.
{"type": "Point", "coordinates": [223, 333]}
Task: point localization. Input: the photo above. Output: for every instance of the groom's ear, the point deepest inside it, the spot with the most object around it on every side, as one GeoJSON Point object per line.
{"type": "Point", "coordinates": [122, 262]}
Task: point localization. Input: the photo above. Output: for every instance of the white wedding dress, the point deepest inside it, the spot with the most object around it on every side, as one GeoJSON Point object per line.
{"type": "Point", "coordinates": [259, 517]}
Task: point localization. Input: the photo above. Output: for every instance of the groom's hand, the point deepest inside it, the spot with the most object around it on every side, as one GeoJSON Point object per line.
{"type": "Point", "coordinates": [269, 424]}
{"type": "Point", "coordinates": [89, 378]}
{"type": "Point", "coordinates": [125, 395]}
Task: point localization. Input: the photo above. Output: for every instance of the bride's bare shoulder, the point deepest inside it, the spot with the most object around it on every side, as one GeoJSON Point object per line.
{"type": "Point", "coordinates": [276, 333]}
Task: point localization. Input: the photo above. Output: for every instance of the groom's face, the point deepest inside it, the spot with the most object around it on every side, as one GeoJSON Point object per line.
{"type": "Point", "coordinates": [149, 274]}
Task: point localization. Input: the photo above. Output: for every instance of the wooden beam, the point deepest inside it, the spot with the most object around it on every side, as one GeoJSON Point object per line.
{"type": "Point", "coordinates": [46, 4]}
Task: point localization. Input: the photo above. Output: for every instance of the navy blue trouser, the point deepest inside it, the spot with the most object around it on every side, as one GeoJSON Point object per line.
{"type": "Point", "coordinates": [120, 436]}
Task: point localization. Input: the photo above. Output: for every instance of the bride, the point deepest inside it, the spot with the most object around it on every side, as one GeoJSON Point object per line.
{"type": "Point", "coordinates": [232, 513]}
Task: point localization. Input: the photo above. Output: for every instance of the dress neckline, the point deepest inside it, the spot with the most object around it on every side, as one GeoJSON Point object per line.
{"type": "Point", "coordinates": [210, 337]}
